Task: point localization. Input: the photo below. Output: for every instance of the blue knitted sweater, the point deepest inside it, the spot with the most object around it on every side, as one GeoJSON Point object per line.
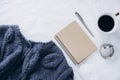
{"type": "Point", "coordinates": [22, 59]}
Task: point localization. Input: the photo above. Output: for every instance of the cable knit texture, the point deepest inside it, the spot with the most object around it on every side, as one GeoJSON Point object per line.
{"type": "Point", "coordinates": [22, 59]}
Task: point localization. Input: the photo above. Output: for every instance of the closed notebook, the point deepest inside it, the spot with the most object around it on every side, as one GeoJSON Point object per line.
{"type": "Point", "coordinates": [76, 41]}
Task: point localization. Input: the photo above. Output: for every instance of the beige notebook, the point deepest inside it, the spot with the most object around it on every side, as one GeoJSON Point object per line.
{"type": "Point", "coordinates": [76, 41]}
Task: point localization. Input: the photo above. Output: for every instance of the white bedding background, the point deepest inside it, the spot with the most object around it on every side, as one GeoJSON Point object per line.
{"type": "Point", "coordinates": [40, 20]}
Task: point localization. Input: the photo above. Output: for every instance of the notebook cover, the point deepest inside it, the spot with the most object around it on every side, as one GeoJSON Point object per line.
{"type": "Point", "coordinates": [76, 41]}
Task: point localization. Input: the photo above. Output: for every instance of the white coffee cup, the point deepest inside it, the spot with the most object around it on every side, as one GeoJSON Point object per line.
{"type": "Point", "coordinates": [113, 18]}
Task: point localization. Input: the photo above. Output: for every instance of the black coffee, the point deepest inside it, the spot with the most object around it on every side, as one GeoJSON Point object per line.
{"type": "Point", "coordinates": [106, 23]}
